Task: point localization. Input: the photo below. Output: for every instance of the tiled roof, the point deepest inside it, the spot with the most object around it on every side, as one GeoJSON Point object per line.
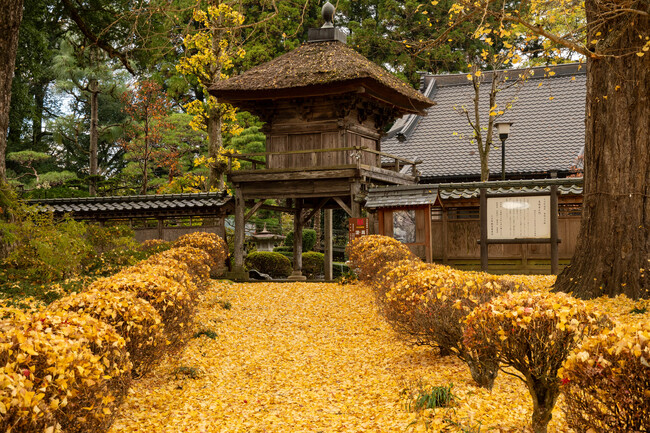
{"type": "Point", "coordinates": [396, 197]}
{"type": "Point", "coordinates": [138, 205]}
{"type": "Point", "coordinates": [548, 118]}
{"type": "Point", "coordinates": [414, 195]}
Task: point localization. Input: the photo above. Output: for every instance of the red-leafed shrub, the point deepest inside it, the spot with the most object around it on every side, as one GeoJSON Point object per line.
{"type": "Point", "coordinates": [212, 244]}
{"type": "Point", "coordinates": [370, 254]}
{"type": "Point", "coordinates": [133, 318]}
{"type": "Point", "coordinates": [606, 382]}
{"type": "Point", "coordinates": [533, 333]}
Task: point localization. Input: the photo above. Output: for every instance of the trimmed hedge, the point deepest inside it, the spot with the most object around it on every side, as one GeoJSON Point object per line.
{"type": "Point", "coordinates": [313, 264]}
{"type": "Point", "coordinates": [274, 264]}
{"type": "Point", "coordinates": [308, 240]}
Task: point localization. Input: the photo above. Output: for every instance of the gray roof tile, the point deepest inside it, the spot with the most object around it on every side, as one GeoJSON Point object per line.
{"type": "Point", "coordinates": [548, 118]}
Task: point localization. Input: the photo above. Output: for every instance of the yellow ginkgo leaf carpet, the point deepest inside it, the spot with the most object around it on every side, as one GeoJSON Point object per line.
{"type": "Point", "coordinates": [310, 357]}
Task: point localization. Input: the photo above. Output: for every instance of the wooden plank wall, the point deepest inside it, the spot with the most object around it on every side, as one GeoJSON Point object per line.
{"type": "Point", "coordinates": [457, 246]}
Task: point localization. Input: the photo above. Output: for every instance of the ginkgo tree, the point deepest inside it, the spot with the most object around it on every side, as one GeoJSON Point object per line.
{"type": "Point", "coordinates": [613, 249]}
{"type": "Point", "coordinates": [211, 51]}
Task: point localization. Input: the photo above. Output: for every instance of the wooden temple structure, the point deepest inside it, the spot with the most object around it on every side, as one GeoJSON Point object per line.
{"type": "Point", "coordinates": [325, 109]}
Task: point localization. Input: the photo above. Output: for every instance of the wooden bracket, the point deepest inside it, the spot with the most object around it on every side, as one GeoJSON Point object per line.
{"type": "Point", "coordinates": [254, 209]}
{"type": "Point", "coordinates": [316, 209]}
{"type": "Point", "coordinates": [343, 205]}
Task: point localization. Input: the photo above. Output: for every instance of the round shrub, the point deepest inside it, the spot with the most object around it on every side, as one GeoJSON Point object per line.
{"type": "Point", "coordinates": [308, 239]}
{"type": "Point", "coordinates": [606, 381]}
{"type": "Point", "coordinates": [210, 243]}
{"type": "Point", "coordinates": [313, 264]}
{"type": "Point", "coordinates": [171, 300]}
{"type": "Point", "coordinates": [172, 269]}
{"type": "Point", "coordinates": [533, 333]}
{"type": "Point", "coordinates": [274, 264]}
{"type": "Point", "coordinates": [77, 368]}
{"type": "Point", "coordinates": [195, 259]}
{"type": "Point", "coordinates": [430, 303]}
{"type": "Point", "coordinates": [154, 245]}
{"type": "Point", "coordinates": [370, 254]}
{"type": "Point", "coordinates": [133, 318]}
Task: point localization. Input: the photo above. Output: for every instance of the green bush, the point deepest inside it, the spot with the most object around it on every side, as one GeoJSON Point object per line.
{"type": "Point", "coordinates": [274, 264]}
{"type": "Point", "coordinates": [313, 264]}
{"type": "Point", "coordinates": [340, 269]}
{"type": "Point", "coordinates": [308, 240]}
{"type": "Point", "coordinates": [36, 242]}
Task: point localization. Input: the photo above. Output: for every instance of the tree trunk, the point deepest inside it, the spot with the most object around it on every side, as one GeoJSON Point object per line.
{"type": "Point", "coordinates": [612, 255]}
{"type": "Point", "coordinates": [12, 14]}
{"type": "Point", "coordinates": [93, 87]}
{"type": "Point", "coordinates": [544, 395]}
{"type": "Point", "coordinates": [215, 142]}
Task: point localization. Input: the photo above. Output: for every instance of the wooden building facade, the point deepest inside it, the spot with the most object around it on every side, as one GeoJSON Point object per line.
{"type": "Point", "coordinates": [440, 223]}
{"type": "Point", "coordinates": [325, 109]}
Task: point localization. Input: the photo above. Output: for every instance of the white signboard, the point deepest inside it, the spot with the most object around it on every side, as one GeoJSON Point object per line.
{"type": "Point", "coordinates": [519, 217]}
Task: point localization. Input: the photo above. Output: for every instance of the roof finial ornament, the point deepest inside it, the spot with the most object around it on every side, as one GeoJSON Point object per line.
{"type": "Point", "coordinates": [328, 15]}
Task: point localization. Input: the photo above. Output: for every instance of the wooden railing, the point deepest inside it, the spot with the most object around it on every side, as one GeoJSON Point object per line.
{"type": "Point", "coordinates": [400, 165]}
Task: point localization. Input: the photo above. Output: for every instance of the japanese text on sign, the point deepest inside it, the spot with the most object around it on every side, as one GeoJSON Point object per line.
{"type": "Point", "coordinates": [519, 217]}
{"type": "Point", "coordinates": [358, 227]}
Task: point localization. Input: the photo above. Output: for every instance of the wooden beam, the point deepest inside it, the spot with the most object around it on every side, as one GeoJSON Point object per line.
{"type": "Point", "coordinates": [343, 205]}
{"type": "Point", "coordinates": [254, 209]}
{"type": "Point", "coordinates": [318, 207]}
{"type": "Point", "coordinates": [278, 208]}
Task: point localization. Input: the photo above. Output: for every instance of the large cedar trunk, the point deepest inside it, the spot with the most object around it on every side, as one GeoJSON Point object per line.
{"type": "Point", "coordinates": [613, 250]}
{"type": "Point", "coordinates": [12, 14]}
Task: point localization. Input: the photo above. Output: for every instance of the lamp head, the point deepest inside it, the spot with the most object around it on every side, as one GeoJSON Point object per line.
{"type": "Point", "coordinates": [503, 128]}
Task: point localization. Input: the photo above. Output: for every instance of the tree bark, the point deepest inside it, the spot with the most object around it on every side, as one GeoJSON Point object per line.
{"type": "Point", "coordinates": [12, 14]}
{"type": "Point", "coordinates": [215, 143]}
{"type": "Point", "coordinates": [612, 255]}
{"type": "Point", "coordinates": [93, 87]}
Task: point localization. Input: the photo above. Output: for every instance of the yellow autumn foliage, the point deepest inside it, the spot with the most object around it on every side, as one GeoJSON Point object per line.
{"type": "Point", "coordinates": [133, 318]}
{"type": "Point", "coordinates": [196, 260]}
{"type": "Point", "coordinates": [212, 244]}
{"type": "Point", "coordinates": [76, 371]}
{"type": "Point", "coordinates": [370, 254]}
{"type": "Point", "coordinates": [606, 381]}
{"type": "Point", "coordinates": [170, 299]}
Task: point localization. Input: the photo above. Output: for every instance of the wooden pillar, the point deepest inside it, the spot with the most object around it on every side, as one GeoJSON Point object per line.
{"type": "Point", "coordinates": [484, 230]}
{"type": "Point", "coordinates": [297, 243]}
{"type": "Point", "coordinates": [445, 235]}
{"type": "Point", "coordinates": [161, 229]}
{"type": "Point", "coordinates": [554, 231]}
{"type": "Point", "coordinates": [238, 271]}
{"type": "Point", "coordinates": [328, 247]}
{"type": "Point", "coordinates": [355, 206]}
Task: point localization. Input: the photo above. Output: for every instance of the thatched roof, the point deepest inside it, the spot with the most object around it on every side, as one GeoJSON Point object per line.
{"type": "Point", "coordinates": [321, 68]}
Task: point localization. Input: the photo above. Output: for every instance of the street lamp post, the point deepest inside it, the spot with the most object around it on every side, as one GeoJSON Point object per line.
{"type": "Point", "coordinates": [503, 128]}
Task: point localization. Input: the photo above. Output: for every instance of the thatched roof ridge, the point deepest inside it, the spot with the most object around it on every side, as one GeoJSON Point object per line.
{"type": "Point", "coordinates": [316, 65]}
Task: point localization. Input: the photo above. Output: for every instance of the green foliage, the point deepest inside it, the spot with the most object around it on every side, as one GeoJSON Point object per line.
{"type": "Point", "coordinates": [274, 264]}
{"type": "Point", "coordinates": [211, 334]}
{"type": "Point", "coordinates": [313, 264]}
{"type": "Point", "coordinates": [308, 239]}
{"type": "Point", "coordinates": [437, 396]}
{"type": "Point", "coordinates": [37, 241]}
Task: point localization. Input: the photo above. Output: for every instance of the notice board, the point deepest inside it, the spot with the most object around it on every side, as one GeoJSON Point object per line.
{"type": "Point", "coordinates": [519, 217]}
